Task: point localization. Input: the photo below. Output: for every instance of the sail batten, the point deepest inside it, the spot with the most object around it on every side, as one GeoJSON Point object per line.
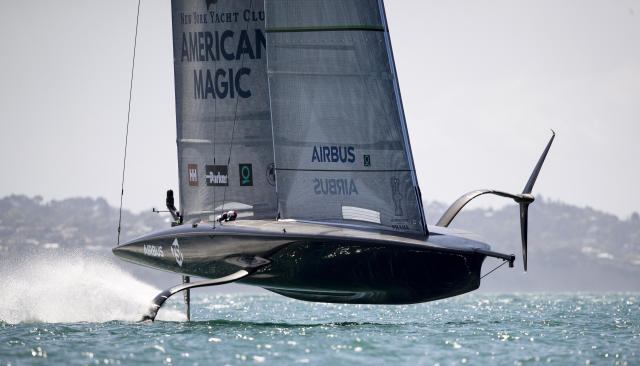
{"type": "Point", "coordinates": [356, 171]}
{"type": "Point", "coordinates": [328, 28]}
{"type": "Point", "coordinates": [334, 74]}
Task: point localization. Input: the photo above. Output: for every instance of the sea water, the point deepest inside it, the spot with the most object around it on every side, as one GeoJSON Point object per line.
{"type": "Point", "coordinates": [85, 312]}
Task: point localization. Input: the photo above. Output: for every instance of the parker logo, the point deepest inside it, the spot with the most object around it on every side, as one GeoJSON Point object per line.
{"type": "Point", "coordinates": [246, 175]}
{"type": "Point", "coordinates": [217, 175]}
{"type": "Point", "coordinates": [175, 249]}
{"type": "Point", "coordinates": [192, 170]}
{"type": "Point", "coordinates": [210, 2]}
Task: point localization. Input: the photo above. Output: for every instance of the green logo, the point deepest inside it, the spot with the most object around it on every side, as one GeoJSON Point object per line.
{"type": "Point", "coordinates": [367, 160]}
{"type": "Point", "coordinates": [246, 175]}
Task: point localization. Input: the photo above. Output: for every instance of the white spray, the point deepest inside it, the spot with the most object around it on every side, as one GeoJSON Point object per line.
{"type": "Point", "coordinates": [72, 287]}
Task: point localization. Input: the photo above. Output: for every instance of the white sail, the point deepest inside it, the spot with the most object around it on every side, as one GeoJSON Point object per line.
{"type": "Point", "coordinates": [225, 146]}
{"type": "Point", "coordinates": [342, 152]}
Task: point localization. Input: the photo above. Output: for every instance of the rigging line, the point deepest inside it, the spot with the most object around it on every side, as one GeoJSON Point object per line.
{"type": "Point", "coordinates": [490, 272]}
{"type": "Point", "coordinates": [346, 170]}
{"type": "Point", "coordinates": [126, 139]}
{"type": "Point", "coordinates": [213, 188]}
{"type": "Point", "coordinates": [235, 120]}
{"type": "Point", "coordinates": [215, 135]}
{"type": "Point", "coordinates": [215, 123]}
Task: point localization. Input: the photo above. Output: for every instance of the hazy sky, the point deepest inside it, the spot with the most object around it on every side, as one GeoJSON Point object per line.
{"type": "Point", "coordinates": [482, 83]}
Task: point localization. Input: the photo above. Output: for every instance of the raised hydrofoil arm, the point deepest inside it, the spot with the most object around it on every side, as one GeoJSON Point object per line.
{"type": "Point", "coordinates": [164, 295]}
{"type": "Point", "coordinates": [524, 200]}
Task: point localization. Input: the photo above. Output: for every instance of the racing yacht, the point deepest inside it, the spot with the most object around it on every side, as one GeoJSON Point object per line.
{"type": "Point", "coordinates": [295, 167]}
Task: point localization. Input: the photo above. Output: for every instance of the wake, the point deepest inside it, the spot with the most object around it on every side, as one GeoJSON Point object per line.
{"type": "Point", "coordinates": [69, 287]}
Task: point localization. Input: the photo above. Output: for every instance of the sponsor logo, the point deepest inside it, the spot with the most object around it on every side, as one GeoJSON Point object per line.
{"type": "Point", "coordinates": [367, 160]}
{"type": "Point", "coordinates": [205, 47]}
{"type": "Point", "coordinates": [221, 45]}
{"type": "Point", "coordinates": [246, 175]}
{"type": "Point", "coordinates": [333, 154]}
{"type": "Point", "coordinates": [192, 170]}
{"type": "Point", "coordinates": [403, 224]}
{"type": "Point", "coordinates": [175, 249]}
{"type": "Point", "coordinates": [153, 251]}
{"type": "Point", "coordinates": [400, 226]}
{"type": "Point", "coordinates": [271, 174]}
{"type": "Point", "coordinates": [335, 187]}
{"type": "Point", "coordinates": [217, 175]}
{"type": "Point", "coordinates": [396, 195]}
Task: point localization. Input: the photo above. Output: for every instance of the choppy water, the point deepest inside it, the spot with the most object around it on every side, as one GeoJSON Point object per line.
{"type": "Point", "coordinates": [56, 321]}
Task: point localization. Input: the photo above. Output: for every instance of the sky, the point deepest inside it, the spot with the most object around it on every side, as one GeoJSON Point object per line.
{"type": "Point", "coordinates": [482, 82]}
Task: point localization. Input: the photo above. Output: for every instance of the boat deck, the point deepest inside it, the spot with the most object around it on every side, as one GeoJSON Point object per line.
{"type": "Point", "coordinates": [441, 238]}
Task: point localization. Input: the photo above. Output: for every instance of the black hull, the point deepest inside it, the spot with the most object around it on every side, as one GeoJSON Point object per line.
{"type": "Point", "coordinates": [318, 265]}
{"type": "Point", "coordinates": [356, 273]}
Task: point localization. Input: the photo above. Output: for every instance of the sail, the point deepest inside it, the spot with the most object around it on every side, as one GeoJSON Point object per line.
{"type": "Point", "coordinates": [342, 152]}
{"type": "Point", "coordinates": [225, 145]}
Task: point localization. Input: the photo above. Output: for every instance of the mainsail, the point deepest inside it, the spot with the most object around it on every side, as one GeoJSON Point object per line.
{"type": "Point", "coordinates": [225, 146]}
{"type": "Point", "coordinates": [342, 151]}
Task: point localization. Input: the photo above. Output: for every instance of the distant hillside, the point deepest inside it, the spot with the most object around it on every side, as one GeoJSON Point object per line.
{"type": "Point", "coordinates": [570, 248]}
{"type": "Point", "coordinates": [72, 223]}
